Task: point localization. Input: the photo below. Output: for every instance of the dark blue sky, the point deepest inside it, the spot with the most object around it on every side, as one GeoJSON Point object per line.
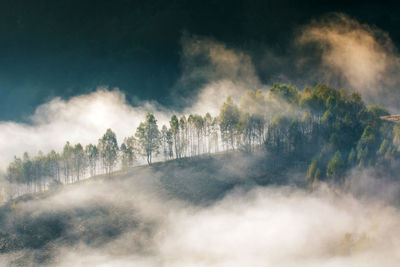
{"type": "Point", "coordinates": [67, 47]}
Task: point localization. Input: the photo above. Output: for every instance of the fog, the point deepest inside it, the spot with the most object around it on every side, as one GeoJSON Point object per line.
{"type": "Point", "coordinates": [222, 71]}
{"type": "Point", "coordinates": [358, 56]}
{"type": "Point", "coordinates": [210, 216]}
{"type": "Point", "coordinates": [142, 219]}
{"type": "Point", "coordinates": [85, 118]}
{"type": "Point", "coordinates": [354, 55]}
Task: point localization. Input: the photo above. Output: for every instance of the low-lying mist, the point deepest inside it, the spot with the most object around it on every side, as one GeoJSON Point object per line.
{"type": "Point", "coordinates": [212, 210]}
{"type": "Point", "coordinates": [194, 216]}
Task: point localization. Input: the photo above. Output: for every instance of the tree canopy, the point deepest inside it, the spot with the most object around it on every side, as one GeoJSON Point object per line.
{"type": "Point", "coordinates": [329, 130]}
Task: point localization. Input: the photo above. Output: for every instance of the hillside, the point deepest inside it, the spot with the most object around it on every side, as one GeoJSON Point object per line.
{"type": "Point", "coordinates": [94, 211]}
{"type": "Point", "coordinates": [275, 147]}
{"type": "Point", "coordinates": [331, 130]}
{"type": "Point", "coordinates": [160, 214]}
{"type": "Point", "coordinates": [309, 156]}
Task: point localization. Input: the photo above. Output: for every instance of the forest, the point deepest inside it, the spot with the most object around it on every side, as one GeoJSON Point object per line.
{"type": "Point", "coordinates": [330, 131]}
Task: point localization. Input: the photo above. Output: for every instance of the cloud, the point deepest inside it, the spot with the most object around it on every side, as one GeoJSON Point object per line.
{"type": "Point", "coordinates": [352, 54]}
{"type": "Point", "coordinates": [357, 55]}
{"type": "Point", "coordinates": [334, 49]}
{"type": "Point", "coordinates": [285, 227]}
{"type": "Point", "coordinates": [218, 71]}
{"type": "Point", "coordinates": [257, 226]}
{"type": "Point", "coordinates": [83, 119]}
{"type": "Point", "coordinates": [213, 60]}
{"type": "Point", "coordinates": [143, 219]}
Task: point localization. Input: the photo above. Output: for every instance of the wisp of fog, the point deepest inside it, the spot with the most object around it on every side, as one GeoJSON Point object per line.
{"type": "Point", "coordinates": [209, 217]}
{"type": "Point", "coordinates": [142, 220]}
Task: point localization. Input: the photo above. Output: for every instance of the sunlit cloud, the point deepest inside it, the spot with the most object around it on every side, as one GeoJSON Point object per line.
{"type": "Point", "coordinates": [360, 56]}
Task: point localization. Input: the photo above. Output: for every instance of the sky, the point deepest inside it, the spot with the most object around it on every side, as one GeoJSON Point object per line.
{"type": "Point", "coordinates": [68, 48]}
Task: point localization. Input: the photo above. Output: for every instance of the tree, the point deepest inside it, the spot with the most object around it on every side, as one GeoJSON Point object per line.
{"type": "Point", "coordinates": [38, 173]}
{"type": "Point", "coordinates": [228, 120]}
{"type": "Point", "coordinates": [208, 130]}
{"type": "Point", "coordinates": [183, 136]}
{"type": "Point", "coordinates": [246, 129]}
{"type": "Point", "coordinates": [294, 125]}
{"type": "Point", "coordinates": [148, 137]}
{"type": "Point", "coordinates": [288, 93]}
{"type": "Point", "coordinates": [108, 148]}
{"type": "Point", "coordinates": [92, 154]}
{"type": "Point", "coordinates": [366, 146]}
{"type": "Point", "coordinates": [336, 167]}
{"type": "Point", "coordinates": [396, 136]}
{"type": "Point", "coordinates": [174, 124]}
{"type": "Point", "coordinates": [54, 165]}
{"type": "Point", "coordinates": [295, 138]}
{"type": "Point", "coordinates": [317, 176]}
{"type": "Point", "coordinates": [191, 131]}
{"type": "Point", "coordinates": [214, 134]}
{"type": "Point", "coordinates": [198, 123]}
{"type": "Point", "coordinates": [352, 157]}
{"type": "Point", "coordinates": [67, 161]}
{"type": "Point", "coordinates": [254, 103]}
{"type": "Point", "coordinates": [164, 141]}
{"type": "Point", "coordinates": [15, 173]}
{"type": "Point", "coordinates": [128, 152]}
{"type": "Point", "coordinates": [80, 162]}
{"type": "Point", "coordinates": [170, 143]}
{"type": "Point", "coordinates": [278, 134]}
{"type": "Point", "coordinates": [383, 147]}
{"type": "Point", "coordinates": [312, 169]}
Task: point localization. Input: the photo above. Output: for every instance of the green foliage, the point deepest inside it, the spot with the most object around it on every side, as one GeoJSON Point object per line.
{"type": "Point", "coordinates": [312, 170]}
{"type": "Point", "coordinates": [108, 148]}
{"type": "Point", "coordinates": [92, 154]}
{"type": "Point", "coordinates": [228, 121]}
{"type": "Point", "coordinates": [366, 146]}
{"type": "Point", "coordinates": [253, 102]}
{"type": "Point", "coordinates": [336, 167]}
{"type": "Point", "coordinates": [352, 157]}
{"type": "Point", "coordinates": [383, 147]}
{"type": "Point", "coordinates": [148, 137]}
{"type": "Point", "coordinates": [174, 124]}
{"type": "Point", "coordinates": [127, 149]}
{"type": "Point", "coordinates": [287, 93]}
{"type": "Point", "coordinates": [377, 110]}
{"type": "Point", "coordinates": [293, 125]}
{"type": "Point", "coordinates": [79, 160]}
{"type": "Point", "coordinates": [317, 177]}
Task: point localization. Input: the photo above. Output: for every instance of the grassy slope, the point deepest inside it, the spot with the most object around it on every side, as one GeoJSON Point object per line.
{"type": "Point", "coordinates": [199, 181]}
{"type": "Point", "coordinates": [205, 177]}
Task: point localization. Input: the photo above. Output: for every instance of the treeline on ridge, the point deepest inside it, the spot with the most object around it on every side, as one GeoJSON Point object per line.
{"type": "Point", "coordinates": [329, 129]}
